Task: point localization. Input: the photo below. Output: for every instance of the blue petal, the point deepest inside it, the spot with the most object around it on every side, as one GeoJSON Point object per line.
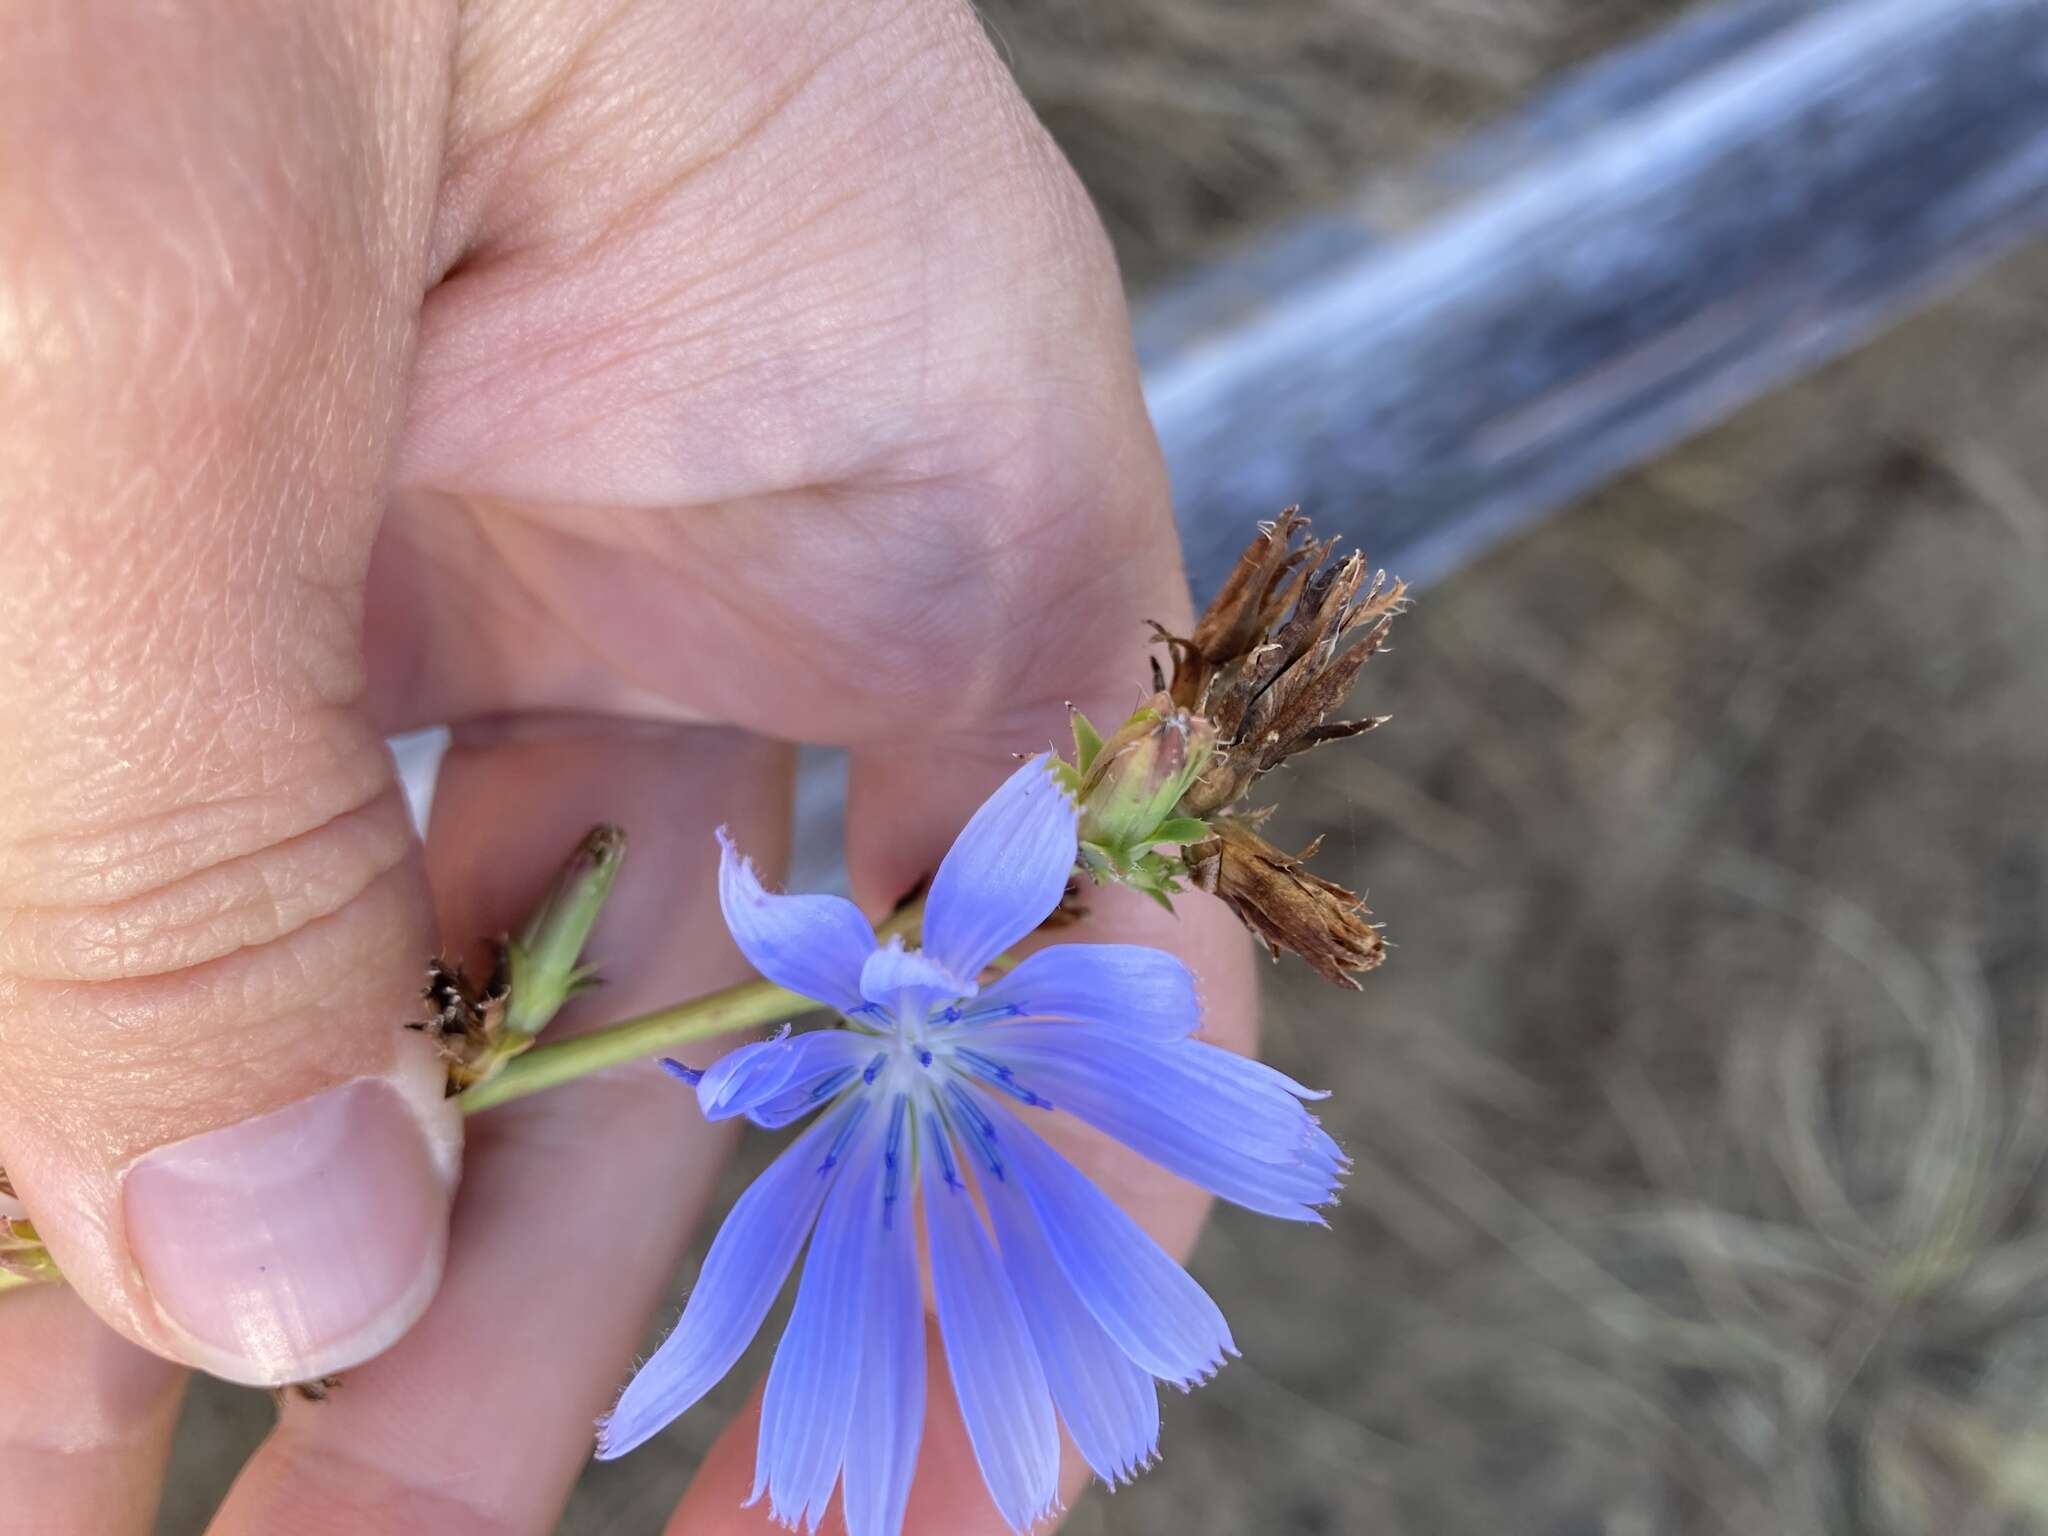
{"type": "Point", "coordinates": [1135, 1289]}
{"type": "Point", "coordinates": [741, 1277]}
{"type": "Point", "coordinates": [809, 1401]}
{"type": "Point", "coordinates": [823, 1064]}
{"type": "Point", "coordinates": [1232, 1125]}
{"type": "Point", "coordinates": [1004, 874]}
{"type": "Point", "coordinates": [815, 945]}
{"type": "Point", "coordinates": [997, 1377]}
{"type": "Point", "coordinates": [745, 1076]}
{"type": "Point", "coordinates": [1128, 987]}
{"type": "Point", "coordinates": [909, 982]}
{"type": "Point", "coordinates": [1109, 1403]}
{"type": "Point", "coordinates": [888, 1413]}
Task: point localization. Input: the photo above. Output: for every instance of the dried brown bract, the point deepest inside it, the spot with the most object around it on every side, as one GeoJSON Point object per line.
{"type": "Point", "coordinates": [1288, 908]}
{"type": "Point", "coordinates": [1276, 656]}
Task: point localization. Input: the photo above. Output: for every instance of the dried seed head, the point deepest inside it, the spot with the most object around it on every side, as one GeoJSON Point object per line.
{"type": "Point", "coordinates": [1276, 655]}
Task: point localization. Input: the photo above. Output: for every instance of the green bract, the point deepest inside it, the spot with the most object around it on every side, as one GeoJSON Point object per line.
{"type": "Point", "coordinates": [1129, 788]}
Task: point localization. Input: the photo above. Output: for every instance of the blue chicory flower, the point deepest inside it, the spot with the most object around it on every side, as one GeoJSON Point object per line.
{"type": "Point", "coordinates": [1057, 1304]}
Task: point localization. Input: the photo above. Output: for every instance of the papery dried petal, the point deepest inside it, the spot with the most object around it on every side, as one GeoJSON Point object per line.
{"type": "Point", "coordinates": [1286, 906]}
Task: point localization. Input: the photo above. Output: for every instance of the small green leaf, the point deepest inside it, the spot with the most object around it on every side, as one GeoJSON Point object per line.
{"type": "Point", "coordinates": [1180, 831]}
{"type": "Point", "coordinates": [1087, 741]}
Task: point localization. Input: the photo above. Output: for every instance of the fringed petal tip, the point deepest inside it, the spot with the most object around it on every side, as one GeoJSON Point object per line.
{"type": "Point", "coordinates": [1053, 1510]}
{"type": "Point", "coordinates": [1129, 1470]}
{"type": "Point", "coordinates": [804, 1520]}
{"type": "Point", "coordinates": [1207, 1372]}
{"type": "Point", "coordinates": [613, 1442]}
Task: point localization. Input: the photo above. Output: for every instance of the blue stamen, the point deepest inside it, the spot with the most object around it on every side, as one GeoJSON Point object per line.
{"type": "Point", "coordinates": [981, 1130]}
{"type": "Point", "coordinates": [924, 1058]}
{"type": "Point", "coordinates": [874, 1067]}
{"type": "Point", "coordinates": [976, 1115]}
{"type": "Point", "coordinates": [983, 1015]}
{"type": "Point", "coordinates": [827, 1086]}
{"type": "Point", "coordinates": [676, 1069]}
{"type": "Point", "coordinates": [892, 1160]}
{"type": "Point", "coordinates": [997, 1075]}
{"type": "Point", "coordinates": [942, 1141]}
{"type": "Point", "coordinates": [854, 1116]}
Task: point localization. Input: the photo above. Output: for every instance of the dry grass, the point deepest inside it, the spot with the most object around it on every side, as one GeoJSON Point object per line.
{"type": "Point", "coordinates": [1194, 120]}
{"type": "Point", "coordinates": [1700, 1110]}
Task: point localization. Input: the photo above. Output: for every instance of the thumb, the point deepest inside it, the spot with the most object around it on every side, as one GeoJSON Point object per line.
{"type": "Point", "coordinates": [211, 912]}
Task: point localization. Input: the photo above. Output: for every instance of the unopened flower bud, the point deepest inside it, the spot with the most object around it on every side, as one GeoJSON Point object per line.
{"type": "Point", "coordinates": [1130, 786]}
{"type": "Point", "coordinates": [543, 966]}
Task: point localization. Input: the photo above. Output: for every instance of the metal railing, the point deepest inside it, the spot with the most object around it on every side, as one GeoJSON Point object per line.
{"type": "Point", "coordinates": [1663, 239]}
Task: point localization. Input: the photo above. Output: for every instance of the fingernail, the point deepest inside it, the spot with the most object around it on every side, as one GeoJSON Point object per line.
{"type": "Point", "coordinates": [295, 1244]}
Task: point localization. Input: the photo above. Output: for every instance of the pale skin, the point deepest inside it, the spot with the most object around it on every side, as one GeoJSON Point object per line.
{"type": "Point", "coordinates": [641, 386]}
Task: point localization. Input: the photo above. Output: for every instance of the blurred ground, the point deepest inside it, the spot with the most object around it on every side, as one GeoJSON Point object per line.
{"type": "Point", "coordinates": [1699, 1112]}
{"type": "Point", "coordinates": [1193, 121]}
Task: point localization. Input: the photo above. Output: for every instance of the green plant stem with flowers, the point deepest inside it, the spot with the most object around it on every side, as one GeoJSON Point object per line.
{"type": "Point", "coordinates": [1267, 667]}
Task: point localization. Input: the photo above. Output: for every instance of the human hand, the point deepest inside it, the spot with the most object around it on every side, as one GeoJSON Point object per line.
{"type": "Point", "coordinates": [641, 387]}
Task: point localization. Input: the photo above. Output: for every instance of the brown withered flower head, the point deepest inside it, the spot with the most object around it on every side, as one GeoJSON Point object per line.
{"type": "Point", "coordinates": [1276, 655]}
{"type": "Point", "coordinates": [1271, 662]}
{"type": "Point", "coordinates": [465, 1020]}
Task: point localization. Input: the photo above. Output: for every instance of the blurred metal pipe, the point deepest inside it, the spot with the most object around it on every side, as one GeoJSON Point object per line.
{"type": "Point", "coordinates": [1669, 236]}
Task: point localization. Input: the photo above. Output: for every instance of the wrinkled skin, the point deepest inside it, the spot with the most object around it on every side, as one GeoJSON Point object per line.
{"type": "Point", "coordinates": [640, 386]}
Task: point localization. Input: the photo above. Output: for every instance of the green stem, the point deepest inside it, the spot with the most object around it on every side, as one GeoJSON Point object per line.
{"type": "Point", "coordinates": [748, 1005]}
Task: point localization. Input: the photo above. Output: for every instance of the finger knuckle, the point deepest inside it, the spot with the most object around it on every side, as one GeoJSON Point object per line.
{"type": "Point", "coordinates": [171, 891]}
{"type": "Point", "coordinates": [317, 998]}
